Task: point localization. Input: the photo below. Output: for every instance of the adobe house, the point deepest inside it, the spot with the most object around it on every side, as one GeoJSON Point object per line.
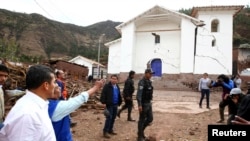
{"type": "Point", "coordinates": [93, 66]}
{"type": "Point", "coordinates": [72, 70]}
{"type": "Point", "coordinates": [178, 47]}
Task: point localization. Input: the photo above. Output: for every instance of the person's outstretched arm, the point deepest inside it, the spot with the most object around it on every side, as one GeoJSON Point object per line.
{"type": "Point", "coordinates": [240, 121]}
{"type": "Point", "coordinates": [65, 107]}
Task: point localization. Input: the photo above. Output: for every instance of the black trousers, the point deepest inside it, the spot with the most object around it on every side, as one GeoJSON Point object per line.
{"type": "Point", "coordinates": [145, 118]}
{"type": "Point", "coordinates": [222, 106]}
{"type": "Point", "coordinates": [128, 105]}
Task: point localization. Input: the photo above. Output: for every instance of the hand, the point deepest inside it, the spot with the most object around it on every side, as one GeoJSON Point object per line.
{"type": "Point", "coordinates": [100, 83]}
{"type": "Point", "coordinates": [240, 121]}
{"type": "Point", "coordinates": [219, 81]}
{"type": "Point", "coordinates": [225, 97]}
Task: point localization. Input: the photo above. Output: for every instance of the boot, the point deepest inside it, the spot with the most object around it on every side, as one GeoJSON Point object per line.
{"type": "Point", "coordinates": [106, 135]}
{"type": "Point", "coordinates": [221, 110]}
{"type": "Point", "coordinates": [129, 114]}
{"type": "Point", "coordinates": [141, 137]}
{"type": "Point", "coordinates": [119, 113]}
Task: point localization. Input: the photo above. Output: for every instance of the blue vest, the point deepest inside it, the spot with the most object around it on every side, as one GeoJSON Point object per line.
{"type": "Point", "coordinates": [61, 127]}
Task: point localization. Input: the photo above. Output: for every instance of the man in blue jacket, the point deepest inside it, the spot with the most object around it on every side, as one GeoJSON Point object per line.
{"type": "Point", "coordinates": [59, 110]}
{"type": "Point", "coordinates": [227, 85]}
{"type": "Point", "coordinates": [111, 98]}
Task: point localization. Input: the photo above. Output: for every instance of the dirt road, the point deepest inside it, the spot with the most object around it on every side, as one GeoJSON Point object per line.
{"type": "Point", "coordinates": [177, 117]}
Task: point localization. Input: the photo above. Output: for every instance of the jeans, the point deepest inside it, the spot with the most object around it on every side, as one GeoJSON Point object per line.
{"type": "Point", "coordinates": [145, 118]}
{"type": "Point", "coordinates": [110, 119]}
{"type": "Point", "coordinates": [203, 93]}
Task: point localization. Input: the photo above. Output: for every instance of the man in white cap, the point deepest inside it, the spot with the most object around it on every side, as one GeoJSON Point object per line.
{"type": "Point", "coordinates": [234, 100]}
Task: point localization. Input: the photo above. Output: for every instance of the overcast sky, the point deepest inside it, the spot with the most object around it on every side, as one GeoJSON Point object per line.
{"type": "Point", "coordinates": [87, 12]}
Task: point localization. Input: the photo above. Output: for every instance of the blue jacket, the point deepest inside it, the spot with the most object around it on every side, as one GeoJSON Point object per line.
{"type": "Point", "coordinates": [226, 87]}
{"type": "Point", "coordinates": [61, 127]}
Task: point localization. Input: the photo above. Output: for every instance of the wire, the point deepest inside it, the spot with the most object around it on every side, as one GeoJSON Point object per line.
{"type": "Point", "coordinates": [43, 9]}
{"type": "Point", "coordinates": [54, 5]}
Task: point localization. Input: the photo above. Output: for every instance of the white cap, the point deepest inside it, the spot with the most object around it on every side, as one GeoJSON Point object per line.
{"type": "Point", "coordinates": [235, 91]}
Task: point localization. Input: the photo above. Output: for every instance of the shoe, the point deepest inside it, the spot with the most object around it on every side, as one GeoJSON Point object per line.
{"type": "Point", "coordinates": [141, 139]}
{"type": "Point", "coordinates": [208, 107]}
{"type": "Point", "coordinates": [106, 135]}
{"type": "Point", "coordinates": [220, 121]}
{"type": "Point", "coordinates": [200, 106]}
{"type": "Point", "coordinates": [112, 133]}
{"type": "Point", "coordinates": [118, 113]}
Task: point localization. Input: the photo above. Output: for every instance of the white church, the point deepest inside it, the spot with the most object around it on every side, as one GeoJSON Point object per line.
{"type": "Point", "coordinates": [174, 44]}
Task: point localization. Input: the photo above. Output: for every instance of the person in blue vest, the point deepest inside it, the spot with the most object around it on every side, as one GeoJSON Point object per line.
{"type": "Point", "coordinates": [4, 73]}
{"type": "Point", "coordinates": [227, 85]}
{"type": "Point", "coordinates": [59, 110]}
{"type": "Point", "coordinates": [111, 98]}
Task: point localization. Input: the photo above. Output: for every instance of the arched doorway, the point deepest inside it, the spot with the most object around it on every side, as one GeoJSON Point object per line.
{"type": "Point", "coordinates": [156, 65]}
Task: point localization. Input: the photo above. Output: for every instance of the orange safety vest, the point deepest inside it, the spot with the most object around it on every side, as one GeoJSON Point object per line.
{"type": "Point", "coordinates": [64, 93]}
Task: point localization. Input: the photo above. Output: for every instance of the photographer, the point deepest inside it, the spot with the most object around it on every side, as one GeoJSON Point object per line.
{"type": "Point", "coordinates": [233, 101]}
{"type": "Point", "coordinates": [226, 84]}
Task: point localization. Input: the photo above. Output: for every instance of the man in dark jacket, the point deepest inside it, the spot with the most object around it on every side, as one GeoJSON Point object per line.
{"type": "Point", "coordinates": [127, 95]}
{"type": "Point", "coordinates": [234, 100]}
{"type": "Point", "coordinates": [144, 97]}
{"type": "Point", "coordinates": [227, 85]}
{"type": "Point", "coordinates": [111, 98]}
{"type": "Point", "coordinates": [244, 108]}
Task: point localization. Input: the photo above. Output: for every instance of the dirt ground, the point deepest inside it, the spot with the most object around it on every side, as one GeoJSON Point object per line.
{"type": "Point", "coordinates": [177, 117]}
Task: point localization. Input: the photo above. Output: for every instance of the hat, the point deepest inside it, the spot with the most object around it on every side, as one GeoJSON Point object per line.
{"type": "Point", "coordinates": [149, 71]}
{"type": "Point", "coordinates": [235, 91]}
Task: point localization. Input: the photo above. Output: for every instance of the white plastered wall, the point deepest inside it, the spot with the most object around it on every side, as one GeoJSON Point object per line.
{"type": "Point", "coordinates": [217, 59]}
{"type": "Point", "coordinates": [187, 46]}
{"type": "Point", "coordinates": [168, 50]}
{"type": "Point", "coordinates": [114, 58]}
{"type": "Point", "coordinates": [84, 63]}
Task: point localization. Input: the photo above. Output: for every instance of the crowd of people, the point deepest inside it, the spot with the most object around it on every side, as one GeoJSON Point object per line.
{"type": "Point", "coordinates": [40, 114]}
{"type": "Point", "coordinates": [48, 119]}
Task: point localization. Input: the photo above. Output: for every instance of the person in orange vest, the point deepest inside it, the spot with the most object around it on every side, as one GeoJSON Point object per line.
{"type": "Point", "coordinates": [65, 91]}
{"type": "Point", "coordinates": [60, 80]}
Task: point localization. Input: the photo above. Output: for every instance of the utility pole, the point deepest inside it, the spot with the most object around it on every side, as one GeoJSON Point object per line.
{"type": "Point", "coordinates": [98, 59]}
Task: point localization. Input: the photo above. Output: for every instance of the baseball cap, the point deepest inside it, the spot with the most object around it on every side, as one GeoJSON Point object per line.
{"type": "Point", "coordinates": [149, 71]}
{"type": "Point", "coordinates": [235, 91]}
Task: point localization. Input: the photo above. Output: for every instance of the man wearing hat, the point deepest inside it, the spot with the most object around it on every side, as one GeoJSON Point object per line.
{"type": "Point", "coordinates": [144, 97]}
{"type": "Point", "coordinates": [244, 108]}
{"type": "Point", "coordinates": [233, 101]}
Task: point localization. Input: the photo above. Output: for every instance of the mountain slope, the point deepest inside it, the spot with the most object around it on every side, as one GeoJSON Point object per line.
{"type": "Point", "coordinates": [33, 38]}
{"type": "Point", "coordinates": [36, 36]}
